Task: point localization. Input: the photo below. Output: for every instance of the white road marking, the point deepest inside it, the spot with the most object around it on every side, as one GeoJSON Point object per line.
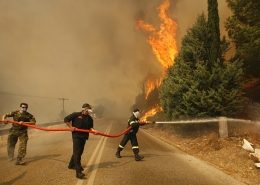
{"type": "Point", "coordinates": [92, 176]}
{"type": "Point", "coordinates": [94, 154]}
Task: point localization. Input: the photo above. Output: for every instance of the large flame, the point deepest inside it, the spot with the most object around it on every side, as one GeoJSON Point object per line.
{"type": "Point", "coordinates": [162, 41]}
{"type": "Point", "coordinates": [151, 112]}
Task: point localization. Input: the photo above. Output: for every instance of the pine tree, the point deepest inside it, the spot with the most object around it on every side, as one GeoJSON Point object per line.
{"type": "Point", "coordinates": [244, 30]}
{"type": "Point", "coordinates": [195, 43]}
{"type": "Point", "coordinates": [201, 84]}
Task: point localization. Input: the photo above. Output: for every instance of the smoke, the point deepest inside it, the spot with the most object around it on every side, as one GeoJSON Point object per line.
{"type": "Point", "coordinates": [187, 11]}
{"type": "Point", "coordinates": [86, 51]}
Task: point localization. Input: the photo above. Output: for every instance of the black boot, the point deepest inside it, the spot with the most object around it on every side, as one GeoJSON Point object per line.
{"type": "Point", "coordinates": [137, 156]}
{"type": "Point", "coordinates": [118, 152]}
{"type": "Point", "coordinates": [80, 175]}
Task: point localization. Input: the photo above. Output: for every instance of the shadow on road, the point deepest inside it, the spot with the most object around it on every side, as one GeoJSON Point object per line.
{"type": "Point", "coordinates": [13, 180]}
{"type": "Point", "coordinates": [41, 157]}
{"type": "Point", "coordinates": [102, 165]}
{"type": "Point", "coordinates": [118, 163]}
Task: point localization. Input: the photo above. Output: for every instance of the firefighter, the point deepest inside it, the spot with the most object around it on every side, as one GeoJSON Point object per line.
{"type": "Point", "coordinates": [18, 132]}
{"type": "Point", "coordinates": [81, 120]}
{"type": "Point", "coordinates": [131, 135]}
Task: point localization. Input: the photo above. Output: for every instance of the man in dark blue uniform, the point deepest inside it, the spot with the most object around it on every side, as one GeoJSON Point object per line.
{"type": "Point", "coordinates": [81, 120]}
{"type": "Point", "coordinates": [131, 135]}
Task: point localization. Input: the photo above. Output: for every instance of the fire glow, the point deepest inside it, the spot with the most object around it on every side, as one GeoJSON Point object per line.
{"type": "Point", "coordinates": [162, 41]}
{"type": "Point", "coordinates": [164, 47]}
{"type": "Point", "coordinates": [151, 112]}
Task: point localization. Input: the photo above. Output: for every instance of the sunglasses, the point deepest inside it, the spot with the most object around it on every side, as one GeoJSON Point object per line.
{"type": "Point", "coordinates": [24, 107]}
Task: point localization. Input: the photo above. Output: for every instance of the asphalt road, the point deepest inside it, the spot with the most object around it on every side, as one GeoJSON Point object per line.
{"type": "Point", "coordinates": [49, 152]}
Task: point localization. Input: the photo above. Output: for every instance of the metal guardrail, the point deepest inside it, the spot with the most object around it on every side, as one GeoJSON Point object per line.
{"type": "Point", "coordinates": [5, 131]}
{"type": "Point", "coordinates": [222, 122]}
{"type": "Point", "coordinates": [188, 121]}
{"type": "Point", "coordinates": [243, 121]}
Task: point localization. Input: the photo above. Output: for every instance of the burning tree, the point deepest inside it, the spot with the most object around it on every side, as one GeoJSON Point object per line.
{"type": "Point", "coordinates": [201, 83]}
{"type": "Point", "coordinates": [164, 47]}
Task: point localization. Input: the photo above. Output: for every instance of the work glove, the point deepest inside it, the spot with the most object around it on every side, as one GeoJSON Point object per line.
{"type": "Point", "coordinates": [95, 132]}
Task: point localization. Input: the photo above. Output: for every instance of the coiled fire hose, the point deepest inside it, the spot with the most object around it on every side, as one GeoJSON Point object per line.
{"type": "Point", "coordinates": [28, 124]}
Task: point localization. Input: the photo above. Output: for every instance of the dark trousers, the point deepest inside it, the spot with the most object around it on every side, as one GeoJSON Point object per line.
{"type": "Point", "coordinates": [78, 148]}
{"type": "Point", "coordinates": [132, 137]}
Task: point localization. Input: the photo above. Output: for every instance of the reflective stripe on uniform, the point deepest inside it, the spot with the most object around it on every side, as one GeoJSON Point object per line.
{"type": "Point", "coordinates": [135, 147]}
{"type": "Point", "coordinates": [132, 122]}
{"type": "Point", "coordinates": [120, 146]}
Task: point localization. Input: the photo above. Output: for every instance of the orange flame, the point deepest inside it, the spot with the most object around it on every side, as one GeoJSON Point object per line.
{"type": "Point", "coordinates": [150, 85]}
{"type": "Point", "coordinates": [151, 112]}
{"type": "Point", "coordinates": [162, 41]}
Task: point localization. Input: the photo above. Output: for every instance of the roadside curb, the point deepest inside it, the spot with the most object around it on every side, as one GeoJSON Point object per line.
{"type": "Point", "coordinates": [194, 159]}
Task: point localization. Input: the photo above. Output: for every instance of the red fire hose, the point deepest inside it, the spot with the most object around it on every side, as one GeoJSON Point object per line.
{"type": "Point", "coordinates": [27, 124]}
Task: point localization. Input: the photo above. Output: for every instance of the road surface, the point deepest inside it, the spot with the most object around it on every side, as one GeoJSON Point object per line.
{"type": "Point", "coordinates": [49, 152]}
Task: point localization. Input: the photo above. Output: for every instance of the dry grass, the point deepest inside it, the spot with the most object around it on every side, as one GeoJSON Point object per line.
{"type": "Point", "coordinates": [225, 154]}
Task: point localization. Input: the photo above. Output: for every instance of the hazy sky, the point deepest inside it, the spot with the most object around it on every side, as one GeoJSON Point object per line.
{"type": "Point", "coordinates": [87, 51]}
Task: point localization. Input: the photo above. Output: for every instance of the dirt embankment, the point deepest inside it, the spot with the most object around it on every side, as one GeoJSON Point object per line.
{"type": "Point", "coordinates": [203, 142]}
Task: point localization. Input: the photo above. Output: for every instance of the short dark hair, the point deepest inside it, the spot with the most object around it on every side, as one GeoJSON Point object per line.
{"type": "Point", "coordinates": [86, 105]}
{"type": "Point", "coordinates": [136, 110]}
{"type": "Point", "coordinates": [25, 104]}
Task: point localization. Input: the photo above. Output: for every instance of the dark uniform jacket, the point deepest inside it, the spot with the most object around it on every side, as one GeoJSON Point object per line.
{"type": "Point", "coordinates": [134, 122]}
{"type": "Point", "coordinates": [80, 121]}
{"type": "Point", "coordinates": [21, 116]}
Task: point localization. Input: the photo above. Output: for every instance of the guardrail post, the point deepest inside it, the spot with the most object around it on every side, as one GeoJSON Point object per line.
{"type": "Point", "coordinates": [223, 127]}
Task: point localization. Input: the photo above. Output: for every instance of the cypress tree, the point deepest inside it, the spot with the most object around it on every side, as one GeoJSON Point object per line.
{"type": "Point", "coordinates": [213, 31]}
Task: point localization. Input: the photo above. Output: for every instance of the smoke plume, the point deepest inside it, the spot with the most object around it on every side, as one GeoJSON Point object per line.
{"type": "Point", "coordinates": [85, 51]}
